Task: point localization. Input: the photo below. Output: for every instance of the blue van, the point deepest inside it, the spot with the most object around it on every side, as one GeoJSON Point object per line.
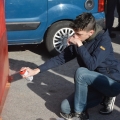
{"type": "Point", "coordinates": [35, 21]}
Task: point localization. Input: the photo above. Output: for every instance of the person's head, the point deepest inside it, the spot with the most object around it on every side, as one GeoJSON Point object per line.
{"type": "Point", "coordinates": [83, 26]}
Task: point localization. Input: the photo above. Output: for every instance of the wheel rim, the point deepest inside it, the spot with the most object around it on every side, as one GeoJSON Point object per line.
{"type": "Point", "coordinates": [60, 38]}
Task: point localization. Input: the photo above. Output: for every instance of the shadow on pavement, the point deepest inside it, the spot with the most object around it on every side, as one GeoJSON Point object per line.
{"type": "Point", "coordinates": [51, 87]}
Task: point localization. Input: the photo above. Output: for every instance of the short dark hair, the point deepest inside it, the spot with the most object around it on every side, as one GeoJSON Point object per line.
{"type": "Point", "coordinates": [85, 21]}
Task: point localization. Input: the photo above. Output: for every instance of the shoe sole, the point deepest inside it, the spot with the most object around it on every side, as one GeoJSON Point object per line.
{"type": "Point", "coordinates": [111, 107]}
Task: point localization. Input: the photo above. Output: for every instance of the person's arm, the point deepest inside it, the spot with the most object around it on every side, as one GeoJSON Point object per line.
{"type": "Point", "coordinates": [62, 58]}
{"type": "Point", "coordinates": [101, 52]}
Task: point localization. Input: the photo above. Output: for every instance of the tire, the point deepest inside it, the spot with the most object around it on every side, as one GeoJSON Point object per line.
{"type": "Point", "coordinates": [56, 37]}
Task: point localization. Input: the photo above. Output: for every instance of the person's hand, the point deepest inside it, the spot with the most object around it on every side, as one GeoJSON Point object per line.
{"type": "Point", "coordinates": [75, 41]}
{"type": "Point", "coordinates": [31, 72]}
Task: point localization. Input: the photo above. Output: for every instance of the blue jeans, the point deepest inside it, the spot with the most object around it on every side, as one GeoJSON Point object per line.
{"type": "Point", "coordinates": [90, 87]}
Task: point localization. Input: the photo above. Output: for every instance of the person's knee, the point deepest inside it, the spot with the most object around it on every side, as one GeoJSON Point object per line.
{"type": "Point", "coordinates": [65, 107]}
{"type": "Point", "coordinates": [80, 72]}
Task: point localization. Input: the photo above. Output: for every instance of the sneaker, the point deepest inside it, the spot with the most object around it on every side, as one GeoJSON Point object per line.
{"type": "Point", "coordinates": [81, 116]}
{"type": "Point", "coordinates": [66, 116]}
{"type": "Point", "coordinates": [108, 103]}
{"type": "Point", "coordinates": [75, 116]}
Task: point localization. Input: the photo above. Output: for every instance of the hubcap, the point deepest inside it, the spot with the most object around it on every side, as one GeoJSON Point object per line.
{"type": "Point", "coordinates": [60, 38]}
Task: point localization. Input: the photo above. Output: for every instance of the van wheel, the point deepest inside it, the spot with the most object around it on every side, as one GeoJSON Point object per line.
{"type": "Point", "coordinates": [56, 37]}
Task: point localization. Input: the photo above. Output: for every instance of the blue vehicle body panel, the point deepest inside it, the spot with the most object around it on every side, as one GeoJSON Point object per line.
{"type": "Point", "coordinates": [46, 12]}
{"type": "Point", "coordinates": [26, 11]}
{"type": "Point", "coordinates": [69, 9]}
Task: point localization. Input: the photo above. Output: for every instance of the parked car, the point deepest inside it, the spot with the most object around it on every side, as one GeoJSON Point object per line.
{"type": "Point", "coordinates": [35, 21]}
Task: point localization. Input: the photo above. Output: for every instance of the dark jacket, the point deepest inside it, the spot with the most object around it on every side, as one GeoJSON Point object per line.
{"type": "Point", "coordinates": [96, 55]}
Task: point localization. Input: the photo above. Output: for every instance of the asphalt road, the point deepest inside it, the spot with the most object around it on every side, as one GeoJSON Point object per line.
{"type": "Point", "coordinates": [41, 99]}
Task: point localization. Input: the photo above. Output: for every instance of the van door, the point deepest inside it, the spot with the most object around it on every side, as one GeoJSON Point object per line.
{"type": "Point", "coordinates": [25, 20]}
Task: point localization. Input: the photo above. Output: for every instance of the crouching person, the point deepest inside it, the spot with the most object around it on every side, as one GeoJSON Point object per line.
{"type": "Point", "coordinates": [98, 78]}
{"type": "Point", "coordinates": [98, 75]}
